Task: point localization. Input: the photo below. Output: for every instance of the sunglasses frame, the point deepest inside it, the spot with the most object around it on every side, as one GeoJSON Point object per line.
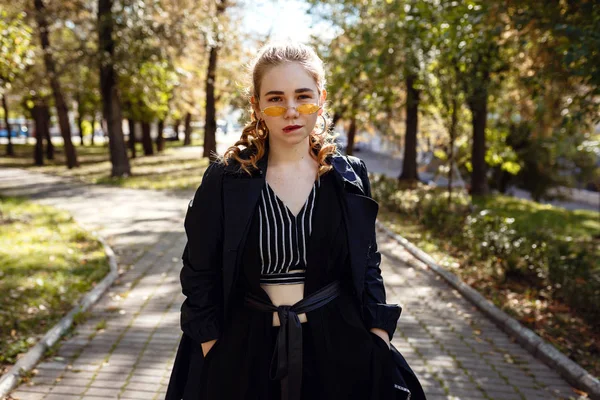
{"type": "Point", "coordinates": [295, 108]}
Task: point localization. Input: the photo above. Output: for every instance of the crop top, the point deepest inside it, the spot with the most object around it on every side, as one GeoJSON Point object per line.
{"type": "Point", "coordinates": [283, 238]}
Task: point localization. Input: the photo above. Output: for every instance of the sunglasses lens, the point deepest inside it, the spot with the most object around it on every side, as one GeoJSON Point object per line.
{"type": "Point", "coordinates": [274, 111]}
{"type": "Point", "coordinates": [278, 111]}
{"type": "Point", "coordinates": [307, 108]}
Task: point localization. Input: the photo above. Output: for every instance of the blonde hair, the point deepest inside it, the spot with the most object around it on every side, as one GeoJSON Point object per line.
{"type": "Point", "coordinates": [322, 144]}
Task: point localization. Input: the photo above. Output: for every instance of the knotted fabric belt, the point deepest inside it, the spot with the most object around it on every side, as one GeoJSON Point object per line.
{"type": "Point", "coordinates": [288, 347]}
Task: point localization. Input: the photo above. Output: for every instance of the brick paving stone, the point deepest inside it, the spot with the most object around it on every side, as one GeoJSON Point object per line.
{"type": "Point", "coordinates": [107, 384]}
{"type": "Point", "coordinates": [103, 392]}
{"type": "Point", "coordinates": [142, 379]}
{"type": "Point", "coordinates": [39, 380]}
{"type": "Point", "coordinates": [137, 395]}
{"type": "Point", "coordinates": [44, 388]}
{"type": "Point", "coordinates": [61, 396]}
{"type": "Point", "coordinates": [71, 381]}
{"type": "Point", "coordinates": [144, 386]}
{"type": "Point", "coordinates": [68, 390]}
{"type": "Point", "coordinates": [21, 395]}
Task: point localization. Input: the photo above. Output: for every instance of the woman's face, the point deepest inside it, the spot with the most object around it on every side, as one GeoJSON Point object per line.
{"type": "Point", "coordinates": [289, 85]}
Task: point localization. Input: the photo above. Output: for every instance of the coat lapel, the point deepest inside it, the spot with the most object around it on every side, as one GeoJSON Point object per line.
{"type": "Point", "coordinates": [359, 213]}
{"type": "Point", "coordinates": [241, 193]}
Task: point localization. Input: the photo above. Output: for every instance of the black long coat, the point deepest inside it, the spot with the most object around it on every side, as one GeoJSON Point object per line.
{"type": "Point", "coordinates": [216, 225]}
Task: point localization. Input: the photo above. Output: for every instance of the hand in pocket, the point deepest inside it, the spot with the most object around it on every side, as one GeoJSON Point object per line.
{"type": "Point", "coordinates": [207, 346]}
{"type": "Point", "coordinates": [380, 342]}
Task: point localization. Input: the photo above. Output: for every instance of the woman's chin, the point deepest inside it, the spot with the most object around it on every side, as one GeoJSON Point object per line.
{"type": "Point", "coordinates": [294, 137]}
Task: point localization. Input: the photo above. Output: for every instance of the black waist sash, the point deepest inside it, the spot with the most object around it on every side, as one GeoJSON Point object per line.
{"type": "Point", "coordinates": [288, 347]}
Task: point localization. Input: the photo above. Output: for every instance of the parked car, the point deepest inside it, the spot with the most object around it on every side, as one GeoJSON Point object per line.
{"type": "Point", "coordinates": [15, 131]}
{"type": "Point", "coordinates": [358, 146]}
{"type": "Point", "coordinates": [170, 134]}
{"type": "Point", "coordinates": [342, 143]}
{"type": "Point", "coordinates": [222, 126]}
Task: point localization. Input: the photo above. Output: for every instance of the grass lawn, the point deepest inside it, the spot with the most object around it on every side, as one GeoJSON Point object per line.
{"type": "Point", "coordinates": [47, 262]}
{"type": "Point", "coordinates": [173, 169]}
{"type": "Point", "coordinates": [554, 321]}
{"type": "Point", "coordinates": [584, 224]}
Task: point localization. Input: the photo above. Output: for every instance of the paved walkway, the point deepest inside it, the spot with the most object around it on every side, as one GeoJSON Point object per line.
{"type": "Point", "coordinates": [127, 346]}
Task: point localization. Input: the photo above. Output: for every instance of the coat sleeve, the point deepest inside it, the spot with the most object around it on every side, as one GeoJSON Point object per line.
{"type": "Point", "coordinates": [202, 310]}
{"type": "Point", "coordinates": [377, 313]}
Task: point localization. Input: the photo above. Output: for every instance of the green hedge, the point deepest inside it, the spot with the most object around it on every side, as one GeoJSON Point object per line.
{"type": "Point", "coordinates": [564, 267]}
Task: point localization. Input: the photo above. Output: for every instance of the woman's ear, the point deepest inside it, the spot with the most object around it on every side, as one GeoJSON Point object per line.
{"type": "Point", "coordinates": [254, 104]}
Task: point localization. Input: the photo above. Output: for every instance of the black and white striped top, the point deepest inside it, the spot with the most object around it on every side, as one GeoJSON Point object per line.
{"type": "Point", "coordinates": [283, 238]}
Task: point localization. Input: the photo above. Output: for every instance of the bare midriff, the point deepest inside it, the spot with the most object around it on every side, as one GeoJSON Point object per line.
{"type": "Point", "coordinates": [285, 294]}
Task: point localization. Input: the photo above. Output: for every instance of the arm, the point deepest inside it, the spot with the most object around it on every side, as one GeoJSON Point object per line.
{"type": "Point", "coordinates": [381, 318]}
{"type": "Point", "coordinates": [201, 312]}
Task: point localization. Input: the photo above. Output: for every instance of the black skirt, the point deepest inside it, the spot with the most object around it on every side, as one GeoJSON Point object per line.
{"type": "Point", "coordinates": [341, 358]}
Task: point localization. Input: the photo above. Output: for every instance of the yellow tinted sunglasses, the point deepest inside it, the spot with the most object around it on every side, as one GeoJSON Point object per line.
{"type": "Point", "coordinates": [278, 111]}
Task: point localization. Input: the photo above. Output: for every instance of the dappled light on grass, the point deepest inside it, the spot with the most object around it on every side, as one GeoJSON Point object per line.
{"type": "Point", "coordinates": [576, 223]}
{"type": "Point", "coordinates": [47, 262]}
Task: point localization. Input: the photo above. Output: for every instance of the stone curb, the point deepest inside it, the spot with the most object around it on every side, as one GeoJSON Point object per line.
{"type": "Point", "coordinates": [10, 380]}
{"type": "Point", "coordinates": [538, 347]}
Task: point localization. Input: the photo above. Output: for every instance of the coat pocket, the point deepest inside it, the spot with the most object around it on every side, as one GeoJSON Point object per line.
{"type": "Point", "coordinates": [211, 352]}
{"type": "Point", "coordinates": [379, 342]}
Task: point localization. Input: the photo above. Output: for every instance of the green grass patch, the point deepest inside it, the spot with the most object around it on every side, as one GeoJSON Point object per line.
{"type": "Point", "coordinates": [176, 168]}
{"type": "Point", "coordinates": [583, 224]}
{"type": "Point", "coordinates": [47, 262]}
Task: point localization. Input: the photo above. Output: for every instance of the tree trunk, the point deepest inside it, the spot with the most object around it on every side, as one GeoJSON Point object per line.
{"type": "Point", "coordinates": [147, 139]}
{"type": "Point", "coordinates": [80, 126]}
{"type": "Point", "coordinates": [45, 114]}
{"type": "Point", "coordinates": [337, 115]}
{"type": "Point", "coordinates": [59, 100]}
{"type": "Point", "coordinates": [187, 139]}
{"type": "Point", "coordinates": [79, 117]}
{"type": "Point", "coordinates": [93, 127]}
{"type": "Point", "coordinates": [10, 151]}
{"type": "Point", "coordinates": [478, 106]}
{"type": "Point", "coordinates": [505, 178]}
{"type": "Point", "coordinates": [111, 101]}
{"type": "Point", "coordinates": [409, 162]}
{"type": "Point", "coordinates": [160, 140]}
{"type": "Point", "coordinates": [453, 124]}
{"type": "Point", "coordinates": [176, 127]}
{"type": "Point", "coordinates": [131, 124]}
{"type": "Point", "coordinates": [351, 136]}
{"type": "Point", "coordinates": [210, 126]}
{"type": "Point", "coordinates": [103, 129]}
{"type": "Point", "coordinates": [334, 120]}
{"type": "Point", "coordinates": [38, 116]}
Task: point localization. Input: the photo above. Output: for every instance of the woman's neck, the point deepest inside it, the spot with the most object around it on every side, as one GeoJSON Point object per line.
{"type": "Point", "coordinates": [285, 155]}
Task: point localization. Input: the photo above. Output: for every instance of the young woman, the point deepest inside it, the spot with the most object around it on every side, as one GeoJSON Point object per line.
{"type": "Point", "coordinates": [284, 294]}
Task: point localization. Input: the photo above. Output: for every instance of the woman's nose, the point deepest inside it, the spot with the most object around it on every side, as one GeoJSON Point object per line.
{"type": "Point", "coordinates": [291, 111]}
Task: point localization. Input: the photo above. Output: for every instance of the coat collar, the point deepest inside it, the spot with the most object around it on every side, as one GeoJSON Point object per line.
{"type": "Point", "coordinates": [342, 167]}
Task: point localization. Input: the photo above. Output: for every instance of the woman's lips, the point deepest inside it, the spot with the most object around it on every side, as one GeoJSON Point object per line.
{"type": "Point", "coordinates": [291, 128]}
